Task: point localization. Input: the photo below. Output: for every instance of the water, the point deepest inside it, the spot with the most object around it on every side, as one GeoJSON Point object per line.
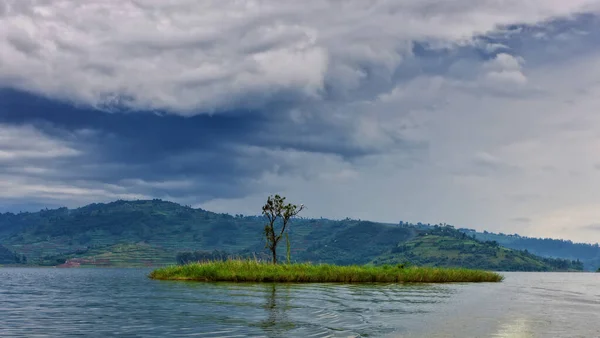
{"type": "Point", "coordinates": [124, 303]}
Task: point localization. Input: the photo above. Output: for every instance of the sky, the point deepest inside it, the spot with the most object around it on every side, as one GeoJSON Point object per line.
{"type": "Point", "coordinates": [481, 114]}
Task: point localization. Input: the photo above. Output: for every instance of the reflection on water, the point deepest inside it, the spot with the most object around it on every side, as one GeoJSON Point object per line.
{"type": "Point", "coordinates": [517, 328]}
{"type": "Point", "coordinates": [124, 303]}
{"type": "Point", "coordinates": [277, 305]}
{"type": "Point", "coordinates": [314, 310]}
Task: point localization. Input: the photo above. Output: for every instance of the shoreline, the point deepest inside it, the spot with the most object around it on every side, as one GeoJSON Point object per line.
{"type": "Point", "coordinates": [261, 272]}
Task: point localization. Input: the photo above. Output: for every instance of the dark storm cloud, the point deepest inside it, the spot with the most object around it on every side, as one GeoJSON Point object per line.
{"type": "Point", "coordinates": [205, 156]}
{"type": "Point", "coordinates": [137, 146]}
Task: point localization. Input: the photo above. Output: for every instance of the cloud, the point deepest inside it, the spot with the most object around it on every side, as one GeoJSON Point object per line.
{"type": "Point", "coordinates": [505, 70]}
{"type": "Point", "coordinates": [192, 160]}
{"type": "Point", "coordinates": [26, 144]}
{"type": "Point", "coordinates": [416, 110]}
{"type": "Point", "coordinates": [189, 57]}
{"type": "Point", "coordinates": [30, 162]}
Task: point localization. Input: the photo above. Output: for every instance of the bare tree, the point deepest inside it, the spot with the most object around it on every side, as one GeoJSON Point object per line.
{"type": "Point", "coordinates": [275, 209]}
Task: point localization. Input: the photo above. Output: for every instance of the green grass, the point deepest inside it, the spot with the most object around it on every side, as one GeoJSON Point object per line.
{"type": "Point", "coordinates": [256, 271]}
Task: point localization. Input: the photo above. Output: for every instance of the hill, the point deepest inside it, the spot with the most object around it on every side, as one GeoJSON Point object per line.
{"type": "Point", "coordinates": [444, 246]}
{"type": "Point", "coordinates": [153, 232]}
{"type": "Point", "coordinates": [50, 235]}
{"type": "Point", "coordinates": [588, 254]}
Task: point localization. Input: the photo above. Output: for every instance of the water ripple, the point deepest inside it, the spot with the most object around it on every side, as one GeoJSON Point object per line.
{"type": "Point", "coordinates": [124, 303]}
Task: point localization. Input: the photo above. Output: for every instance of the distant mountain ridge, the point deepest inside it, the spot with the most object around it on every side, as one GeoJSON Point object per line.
{"type": "Point", "coordinates": [153, 232]}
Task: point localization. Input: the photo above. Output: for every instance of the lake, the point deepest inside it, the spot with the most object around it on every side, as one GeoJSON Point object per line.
{"type": "Point", "coordinates": [124, 303]}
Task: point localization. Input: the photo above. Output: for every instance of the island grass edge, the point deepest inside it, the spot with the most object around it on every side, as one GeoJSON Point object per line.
{"type": "Point", "coordinates": [263, 272]}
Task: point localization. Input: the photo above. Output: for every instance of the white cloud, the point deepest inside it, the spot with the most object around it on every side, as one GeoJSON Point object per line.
{"type": "Point", "coordinates": [188, 56]}
{"type": "Point", "coordinates": [505, 70]}
{"type": "Point", "coordinates": [73, 194]}
{"type": "Point", "coordinates": [27, 143]}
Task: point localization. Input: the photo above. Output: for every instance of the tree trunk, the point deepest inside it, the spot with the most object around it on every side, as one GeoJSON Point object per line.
{"type": "Point", "coordinates": [274, 250]}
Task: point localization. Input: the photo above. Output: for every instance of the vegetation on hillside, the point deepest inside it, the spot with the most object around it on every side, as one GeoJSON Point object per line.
{"type": "Point", "coordinates": [9, 257]}
{"type": "Point", "coordinates": [588, 254]}
{"type": "Point", "coordinates": [50, 235]}
{"type": "Point", "coordinates": [118, 255]}
{"type": "Point", "coordinates": [256, 271]}
{"type": "Point", "coordinates": [445, 246]}
{"type": "Point", "coordinates": [202, 256]}
{"type": "Point", "coordinates": [156, 231]}
{"type": "Point", "coordinates": [356, 244]}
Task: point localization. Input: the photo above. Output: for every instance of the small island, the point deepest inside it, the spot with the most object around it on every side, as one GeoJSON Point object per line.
{"type": "Point", "coordinates": [278, 215]}
{"type": "Point", "coordinates": [257, 271]}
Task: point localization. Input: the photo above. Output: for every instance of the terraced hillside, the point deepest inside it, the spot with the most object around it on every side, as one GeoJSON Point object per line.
{"type": "Point", "coordinates": [118, 255]}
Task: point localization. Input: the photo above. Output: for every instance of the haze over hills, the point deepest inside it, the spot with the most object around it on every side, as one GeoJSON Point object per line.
{"type": "Point", "coordinates": [153, 232]}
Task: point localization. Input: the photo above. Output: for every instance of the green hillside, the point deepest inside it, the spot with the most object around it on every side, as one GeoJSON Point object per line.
{"type": "Point", "coordinates": [49, 236]}
{"type": "Point", "coordinates": [357, 244]}
{"type": "Point", "coordinates": [447, 247]}
{"type": "Point", "coordinates": [153, 232]}
{"type": "Point", "coordinates": [589, 254]}
{"type": "Point", "coordinates": [7, 256]}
